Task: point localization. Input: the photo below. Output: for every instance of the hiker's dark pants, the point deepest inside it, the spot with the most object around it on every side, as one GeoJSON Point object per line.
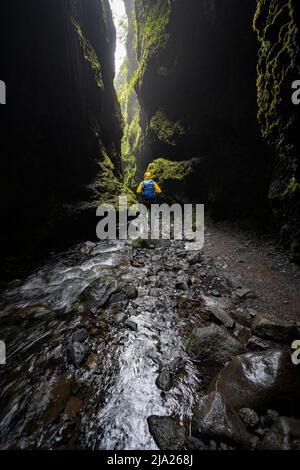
{"type": "Point", "coordinates": [148, 202]}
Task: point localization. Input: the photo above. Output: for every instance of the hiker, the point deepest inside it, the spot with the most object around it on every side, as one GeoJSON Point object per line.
{"type": "Point", "coordinates": [148, 189]}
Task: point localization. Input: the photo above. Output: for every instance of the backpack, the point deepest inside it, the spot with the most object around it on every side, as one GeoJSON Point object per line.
{"type": "Point", "coordinates": [148, 191]}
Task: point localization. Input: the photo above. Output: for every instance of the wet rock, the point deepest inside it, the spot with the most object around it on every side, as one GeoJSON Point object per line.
{"type": "Point", "coordinates": [242, 294]}
{"type": "Point", "coordinates": [132, 325]}
{"type": "Point", "coordinates": [271, 327]}
{"type": "Point", "coordinates": [219, 310]}
{"type": "Point", "coordinates": [80, 336]}
{"type": "Point", "coordinates": [215, 419]}
{"type": "Point", "coordinates": [96, 295]}
{"type": "Point", "coordinates": [87, 248]}
{"type": "Point", "coordinates": [243, 316]}
{"type": "Point", "coordinates": [215, 293]}
{"type": "Point", "coordinates": [182, 282]}
{"type": "Point", "coordinates": [284, 435]}
{"type": "Point", "coordinates": [258, 344]}
{"type": "Point", "coordinates": [118, 297]}
{"type": "Point", "coordinates": [194, 258]}
{"type": "Point", "coordinates": [249, 417]}
{"type": "Point", "coordinates": [193, 443]}
{"type": "Point", "coordinates": [130, 291]}
{"type": "Point", "coordinates": [213, 344]}
{"type": "Point", "coordinates": [269, 418]}
{"type": "Point", "coordinates": [176, 365]}
{"type": "Point", "coordinates": [73, 407]}
{"type": "Point", "coordinates": [77, 353]}
{"type": "Point", "coordinates": [120, 318]}
{"type": "Point", "coordinates": [223, 446]}
{"type": "Point", "coordinates": [244, 335]}
{"type": "Point", "coordinates": [213, 445]}
{"type": "Point", "coordinates": [260, 381]}
{"type": "Point", "coordinates": [167, 433]}
{"type": "Point", "coordinates": [164, 381]}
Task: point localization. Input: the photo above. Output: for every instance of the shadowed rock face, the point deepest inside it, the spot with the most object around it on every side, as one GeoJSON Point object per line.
{"type": "Point", "coordinates": [61, 117]}
{"type": "Point", "coordinates": [196, 86]}
{"type": "Point", "coordinates": [277, 27]}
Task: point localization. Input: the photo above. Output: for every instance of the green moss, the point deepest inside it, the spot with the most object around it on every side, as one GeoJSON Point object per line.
{"type": "Point", "coordinates": [153, 18]}
{"type": "Point", "coordinates": [132, 131]}
{"type": "Point", "coordinates": [277, 32]}
{"type": "Point", "coordinates": [163, 170]}
{"type": "Point", "coordinates": [108, 187]}
{"type": "Point", "coordinates": [165, 129]}
{"type": "Point", "coordinates": [90, 54]}
{"type": "Point", "coordinates": [295, 247]}
{"type": "Point", "coordinates": [285, 229]}
{"type": "Point", "coordinates": [291, 188]}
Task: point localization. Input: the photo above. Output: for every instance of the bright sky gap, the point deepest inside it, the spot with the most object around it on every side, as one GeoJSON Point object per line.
{"type": "Point", "coordinates": [119, 13]}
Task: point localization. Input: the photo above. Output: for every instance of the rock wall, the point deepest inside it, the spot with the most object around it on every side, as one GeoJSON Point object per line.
{"type": "Point", "coordinates": [196, 86]}
{"type": "Point", "coordinates": [61, 127]}
{"type": "Point", "coordinates": [277, 26]}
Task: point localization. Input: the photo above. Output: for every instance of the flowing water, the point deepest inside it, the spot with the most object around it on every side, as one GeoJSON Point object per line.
{"type": "Point", "coordinates": [49, 402]}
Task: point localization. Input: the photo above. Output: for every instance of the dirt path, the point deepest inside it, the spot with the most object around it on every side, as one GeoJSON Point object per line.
{"type": "Point", "coordinates": [251, 261]}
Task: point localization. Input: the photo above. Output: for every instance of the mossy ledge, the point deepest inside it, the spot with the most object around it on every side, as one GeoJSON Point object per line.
{"type": "Point", "coordinates": [164, 170]}
{"type": "Point", "coordinates": [166, 130]}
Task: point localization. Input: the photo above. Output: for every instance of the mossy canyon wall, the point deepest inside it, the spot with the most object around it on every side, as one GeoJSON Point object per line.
{"type": "Point", "coordinates": [196, 86]}
{"type": "Point", "coordinates": [214, 85]}
{"type": "Point", "coordinates": [277, 26]}
{"type": "Point", "coordinates": [61, 126]}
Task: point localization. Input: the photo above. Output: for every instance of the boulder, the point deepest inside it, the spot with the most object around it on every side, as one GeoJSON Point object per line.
{"type": "Point", "coordinates": [269, 418]}
{"type": "Point", "coordinates": [215, 419]}
{"type": "Point", "coordinates": [219, 309]}
{"type": "Point", "coordinates": [182, 282]}
{"type": "Point", "coordinates": [131, 291]}
{"type": "Point", "coordinates": [192, 443]}
{"type": "Point", "coordinates": [164, 381]}
{"type": "Point", "coordinates": [166, 432]}
{"type": "Point", "coordinates": [243, 316]}
{"type": "Point", "coordinates": [80, 335]}
{"type": "Point", "coordinates": [77, 353]}
{"type": "Point", "coordinates": [260, 381]}
{"type": "Point", "coordinates": [242, 294]}
{"type": "Point", "coordinates": [249, 417]}
{"type": "Point", "coordinates": [96, 295]}
{"type": "Point", "coordinates": [132, 325]}
{"type": "Point", "coordinates": [284, 435]}
{"type": "Point", "coordinates": [271, 327]}
{"type": "Point", "coordinates": [176, 365]}
{"type": "Point", "coordinates": [213, 344]}
{"type": "Point", "coordinates": [255, 343]}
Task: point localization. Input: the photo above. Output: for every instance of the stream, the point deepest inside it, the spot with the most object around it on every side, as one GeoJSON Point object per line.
{"type": "Point", "coordinates": [96, 338]}
{"type": "Point", "coordinates": [103, 402]}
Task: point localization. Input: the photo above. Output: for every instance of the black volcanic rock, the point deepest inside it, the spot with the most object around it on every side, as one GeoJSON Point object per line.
{"type": "Point", "coordinates": [61, 120]}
